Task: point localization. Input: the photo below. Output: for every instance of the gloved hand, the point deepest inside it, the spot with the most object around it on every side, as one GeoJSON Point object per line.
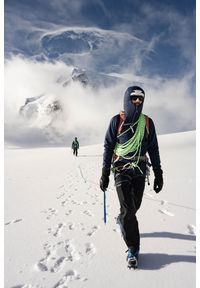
{"type": "Point", "coordinates": [104, 180]}
{"type": "Point", "coordinates": [158, 181]}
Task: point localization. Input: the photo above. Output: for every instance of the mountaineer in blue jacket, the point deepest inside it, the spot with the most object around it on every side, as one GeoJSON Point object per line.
{"type": "Point", "coordinates": [130, 136]}
{"type": "Point", "coordinates": [75, 146]}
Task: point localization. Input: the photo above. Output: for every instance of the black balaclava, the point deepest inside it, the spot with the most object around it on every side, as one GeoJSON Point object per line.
{"type": "Point", "coordinates": [132, 112]}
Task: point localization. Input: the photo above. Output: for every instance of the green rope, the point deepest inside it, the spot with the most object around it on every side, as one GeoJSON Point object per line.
{"type": "Point", "coordinates": [133, 145]}
{"type": "Point", "coordinates": [130, 128]}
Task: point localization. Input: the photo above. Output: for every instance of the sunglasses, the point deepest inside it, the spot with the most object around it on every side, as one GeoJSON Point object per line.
{"type": "Point", "coordinates": [134, 98]}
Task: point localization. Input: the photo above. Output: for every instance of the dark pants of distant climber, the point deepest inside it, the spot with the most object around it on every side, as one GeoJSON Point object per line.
{"type": "Point", "coordinates": [130, 192]}
{"type": "Point", "coordinates": [75, 151]}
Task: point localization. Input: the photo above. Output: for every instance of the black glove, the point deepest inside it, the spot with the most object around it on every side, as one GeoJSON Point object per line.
{"type": "Point", "coordinates": [158, 181]}
{"type": "Point", "coordinates": [104, 180]}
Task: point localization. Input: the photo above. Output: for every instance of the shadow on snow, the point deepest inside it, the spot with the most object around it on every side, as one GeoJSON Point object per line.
{"type": "Point", "coordinates": [155, 261]}
{"type": "Point", "coordinates": [169, 235]}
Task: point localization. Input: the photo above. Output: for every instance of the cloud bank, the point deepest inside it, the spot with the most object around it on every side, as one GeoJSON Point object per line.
{"type": "Point", "coordinates": [86, 111]}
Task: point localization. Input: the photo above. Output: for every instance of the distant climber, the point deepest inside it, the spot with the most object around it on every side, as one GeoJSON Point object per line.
{"type": "Point", "coordinates": [75, 146]}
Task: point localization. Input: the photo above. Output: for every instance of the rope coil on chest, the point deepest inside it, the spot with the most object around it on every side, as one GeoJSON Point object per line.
{"type": "Point", "coordinates": [133, 145]}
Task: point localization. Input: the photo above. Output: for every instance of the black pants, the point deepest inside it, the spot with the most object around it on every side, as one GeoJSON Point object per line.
{"type": "Point", "coordinates": [75, 151]}
{"type": "Point", "coordinates": [130, 190]}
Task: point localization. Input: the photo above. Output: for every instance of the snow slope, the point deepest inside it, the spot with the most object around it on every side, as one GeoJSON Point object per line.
{"type": "Point", "coordinates": [54, 230]}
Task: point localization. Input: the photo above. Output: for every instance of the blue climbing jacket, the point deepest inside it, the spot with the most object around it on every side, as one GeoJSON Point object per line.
{"type": "Point", "coordinates": [149, 143]}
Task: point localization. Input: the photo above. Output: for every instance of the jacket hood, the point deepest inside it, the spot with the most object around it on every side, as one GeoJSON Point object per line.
{"type": "Point", "coordinates": [131, 111]}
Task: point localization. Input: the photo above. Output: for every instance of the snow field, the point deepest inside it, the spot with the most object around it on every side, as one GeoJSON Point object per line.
{"type": "Point", "coordinates": [54, 230]}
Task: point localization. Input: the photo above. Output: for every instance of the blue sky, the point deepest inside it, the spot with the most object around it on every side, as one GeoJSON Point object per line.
{"type": "Point", "coordinates": [151, 42]}
{"type": "Point", "coordinates": [168, 25]}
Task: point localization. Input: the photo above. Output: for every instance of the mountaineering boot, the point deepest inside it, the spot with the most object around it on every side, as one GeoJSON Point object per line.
{"type": "Point", "coordinates": [132, 258]}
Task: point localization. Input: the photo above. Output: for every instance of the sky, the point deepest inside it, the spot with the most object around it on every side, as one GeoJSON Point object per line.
{"type": "Point", "coordinates": [168, 26]}
{"type": "Point", "coordinates": [152, 42]}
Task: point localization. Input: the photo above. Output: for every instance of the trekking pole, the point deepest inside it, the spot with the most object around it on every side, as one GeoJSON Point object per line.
{"type": "Point", "coordinates": [104, 202]}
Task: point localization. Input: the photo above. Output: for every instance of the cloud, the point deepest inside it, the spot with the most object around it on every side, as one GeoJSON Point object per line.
{"type": "Point", "coordinates": [169, 31]}
{"type": "Point", "coordinates": [62, 6]}
{"type": "Point", "coordinates": [86, 112]}
{"type": "Point", "coordinates": [81, 113]}
{"type": "Point", "coordinates": [152, 44]}
{"type": "Point", "coordinates": [177, 29]}
{"type": "Point", "coordinates": [87, 47]}
{"type": "Point", "coordinates": [171, 103]}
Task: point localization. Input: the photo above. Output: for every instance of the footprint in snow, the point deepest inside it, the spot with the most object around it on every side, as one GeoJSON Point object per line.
{"type": "Point", "coordinates": [93, 230]}
{"type": "Point", "coordinates": [40, 266]}
{"type": "Point", "coordinates": [71, 253]}
{"type": "Point", "coordinates": [90, 249]}
{"type": "Point", "coordinates": [24, 286]}
{"type": "Point", "coordinates": [13, 221]}
{"type": "Point", "coordinates": [69, 212]}
{"type": "Point", "coordinates": [17, 220]}
{"type": "Point", "coordinates": [72, 226]}
{"type": "Point", "coordinates": [64, 202]}
{"type": "Point", "coordinates": [57, 231]}
{"type": "Point", "coordinates": [56, 256]}
{"type": "Point", "coordinates": [58, 265]}
{"type": "Point", "coordinates": [76, 203]}
{"type": "Point", "coordinates": [51, 212]}
{"type": "Point", "coordinates": [70, 275]}
{"type": "Point", "coordinates": [81, 226]}
{"type": "Point", "coordinates": [60, 196]}
{"type": "Point", "coordinates": [43, 264]}
{"type": "Point", "coordinates": [52, 266]}
{"type": "Point", "coordinates": [166, 212]}
{"type": "Point", "coordinates": [88, 213]}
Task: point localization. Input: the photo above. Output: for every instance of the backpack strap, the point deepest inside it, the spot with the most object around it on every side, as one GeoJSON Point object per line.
{"type": "Point", "coordinates": [121, 122]}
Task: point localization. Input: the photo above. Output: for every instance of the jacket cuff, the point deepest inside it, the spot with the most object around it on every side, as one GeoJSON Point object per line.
{"type": "Point", "coordinates": [105, 171]}
{"type": "Point", "coordinates": [158, 171]}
